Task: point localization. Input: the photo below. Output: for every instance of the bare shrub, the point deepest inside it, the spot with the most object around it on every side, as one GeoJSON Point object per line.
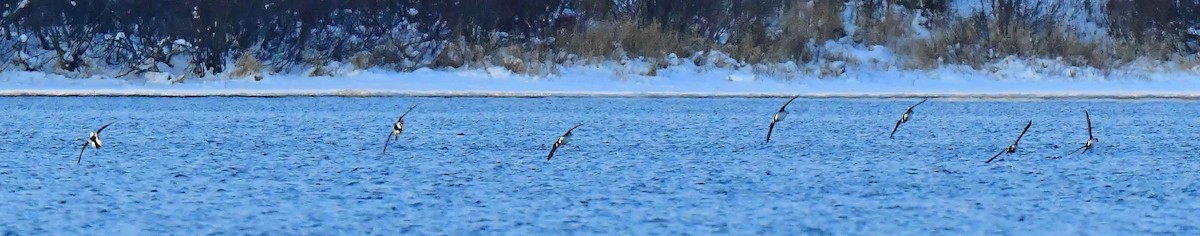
{"type": "Point", "coordinates": [246, 65]}
{"type": "Point", "coordinates": [460, 52]}
{"type": "Point", "coordinates": [318, 61]}
{"type": "Point", "coordinates": [604, 38]}
{"type": "Point", "coordinates": [1147, 21]}
{"type": "Point", "coordinates": [1153, 47]}
{"type": "Point", "coordinates": [1021, 32]}
{"type": "Point", "coordinates": [1058, 41]}
{"type": "Point", "coordinates": [361, 60]}
{"type": "Point", "coordinates": [319, 70]}
{"type": "Point", "coordinates": [802, 24]}
{"type": "Point", "coordinates": [879, 24]}
{"type": "Point", "coordinates": [510, 60]}
{"type": "Point", "coordinates": [454, 55]}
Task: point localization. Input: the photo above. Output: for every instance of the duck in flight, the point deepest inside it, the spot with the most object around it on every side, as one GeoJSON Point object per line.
{"type": "Point", "coordinates": [778, 117]}
{"type": "Point", "coordinates": [562, 140]}
{"type": "Point", "coordinates": [397, 129]}
{"type": "Point", "coordinates": [93, 141]}
{"type": "Point", "coordinates": [1012, 148]}
{"type": "Point", "coordinates": [1091, 139]}
{"type": "Point", "coordinates": [904, 117]}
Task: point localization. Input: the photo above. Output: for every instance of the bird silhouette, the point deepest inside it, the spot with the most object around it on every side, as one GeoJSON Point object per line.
{"type": "Point", "coordinates": [562, 140]}
{"type": "Point", "coordinates": [779, 115]}
{"type": "Point", "coordinates": [904, 118]}
{"type": "Point", "coordinates": [1012, 148]}
{"type": "Point", "coordinates": [397, 129]}
{"type": "Point", "coordinates": [93, 140]}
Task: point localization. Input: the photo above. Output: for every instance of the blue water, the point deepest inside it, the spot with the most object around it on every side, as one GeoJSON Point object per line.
{"type": "Point", "coordinates": [637, 166]}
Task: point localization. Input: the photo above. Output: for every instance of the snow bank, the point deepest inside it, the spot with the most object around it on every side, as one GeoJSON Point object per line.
{"type": "Point", "coordinates": [1006, 78]}
{"type": "Point", "coordinates": [858, 76]}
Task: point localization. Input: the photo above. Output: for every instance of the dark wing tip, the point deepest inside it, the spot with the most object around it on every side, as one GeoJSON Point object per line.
{"type": "Point", "coordinates": [894, 129]}
{"type": "Point", "coordinates": [770, 129]}
{"type": "Point", "coordinates": [1089, 118]}
{"type": "Point", "coordinates": [105, 126]}
{"type": "Point", "coordinates": [572, 129]}
{"type": "Point", "coordinates": [80, 157]}
{"type": "Point", "coordinates": [1026, 129]}
{"type": "Point", "coordinates": [918, 104]}
{"type": "Point", "coordinates": [386, 142]}
{"type": "Point", "coordinates": [788, 102]}
{"type": "Point", "coordinates": [406, 113]}
{"type": "Point", "coordinates": [552, 150]}
{"type": "Point", "coordinates": [989, 160]}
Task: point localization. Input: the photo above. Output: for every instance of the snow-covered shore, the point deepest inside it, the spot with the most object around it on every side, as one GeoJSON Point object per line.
{"type": "Point", "coordinates": [1008, 78]}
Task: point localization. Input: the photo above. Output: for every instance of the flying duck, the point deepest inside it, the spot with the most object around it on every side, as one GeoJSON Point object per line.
{"type": "Point", "coordinates": [778, 117]}
{"type": "Point", "coordinates": [1012, 148]}
{"type": "Point", "coordinates": [93, 141]}
{"type": "Point", "coordinates": [562, 140]}
{"type": "Point", "coordinates": [397, 129]}
{"type": "Point", "coordinates": [905, 116]}
{"type": "Point", "coordinates": [1091, 139]}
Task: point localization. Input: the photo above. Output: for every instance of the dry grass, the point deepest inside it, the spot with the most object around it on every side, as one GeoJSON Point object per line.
{"type": "Point", "coordinates": [526, 59]}
{"type": "Point", "coordinates": [318, 62]}
{"type": "Point", "coordinates": [183, 78]}
{"type": "Point", "coordinates": [616, 39]}
{"type": "Point", "coordinates": [361, 60]}
{"type": "Point", "coordinates": [1058, 41]}
{"type": "Point", "coordinates": [514, 54]}
{"type": "Point", "coordinates": [462, 53]}
{"type": "Point", "coordinates": [880, 24]}
{"type": "Point", "coordinates": [319, 70]}
{"type": "Point", "coordinates": [1012, 29]}
{"type": "Point", "coordinates": [626, 37]}
{"type": "Point", "coordinates": [246, 65]}
{"type": "Point", "coordinates": [511, 59]}
{"type": "Point", "coordinates": [654, 65]}
{"type": "Point", "coordinates": [801, 25]}
{"type": "Point", "coordinates": [1126, 49]}
{"type": "Point", "coordinates": [1151, 29]}
{"type": "Point", "coordinates": [383, 53]}
{"type": "Point", "coordinates": [981, 38]}
{"type": "Point", "coordinates": [453, 54]}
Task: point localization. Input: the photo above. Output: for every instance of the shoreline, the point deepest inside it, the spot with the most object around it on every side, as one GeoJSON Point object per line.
{"type": "Point", "coordinates": [551, 94]}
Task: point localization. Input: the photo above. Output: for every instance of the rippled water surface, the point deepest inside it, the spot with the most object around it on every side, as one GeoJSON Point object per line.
{"type": "Point", "coordinates": [637, 165]}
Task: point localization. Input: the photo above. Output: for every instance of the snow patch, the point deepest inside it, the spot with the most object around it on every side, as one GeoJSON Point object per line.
{"type": "Point", "coordinates": [182, 42]}
{"type": "Point", "coordinates": [855, 77]}
{"type": "Point", "coordinates": [742, 76]}
{"type": "Point", "coordinates": [498, 72]}
{"type": "Point", "coordinates": [159, 78]}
